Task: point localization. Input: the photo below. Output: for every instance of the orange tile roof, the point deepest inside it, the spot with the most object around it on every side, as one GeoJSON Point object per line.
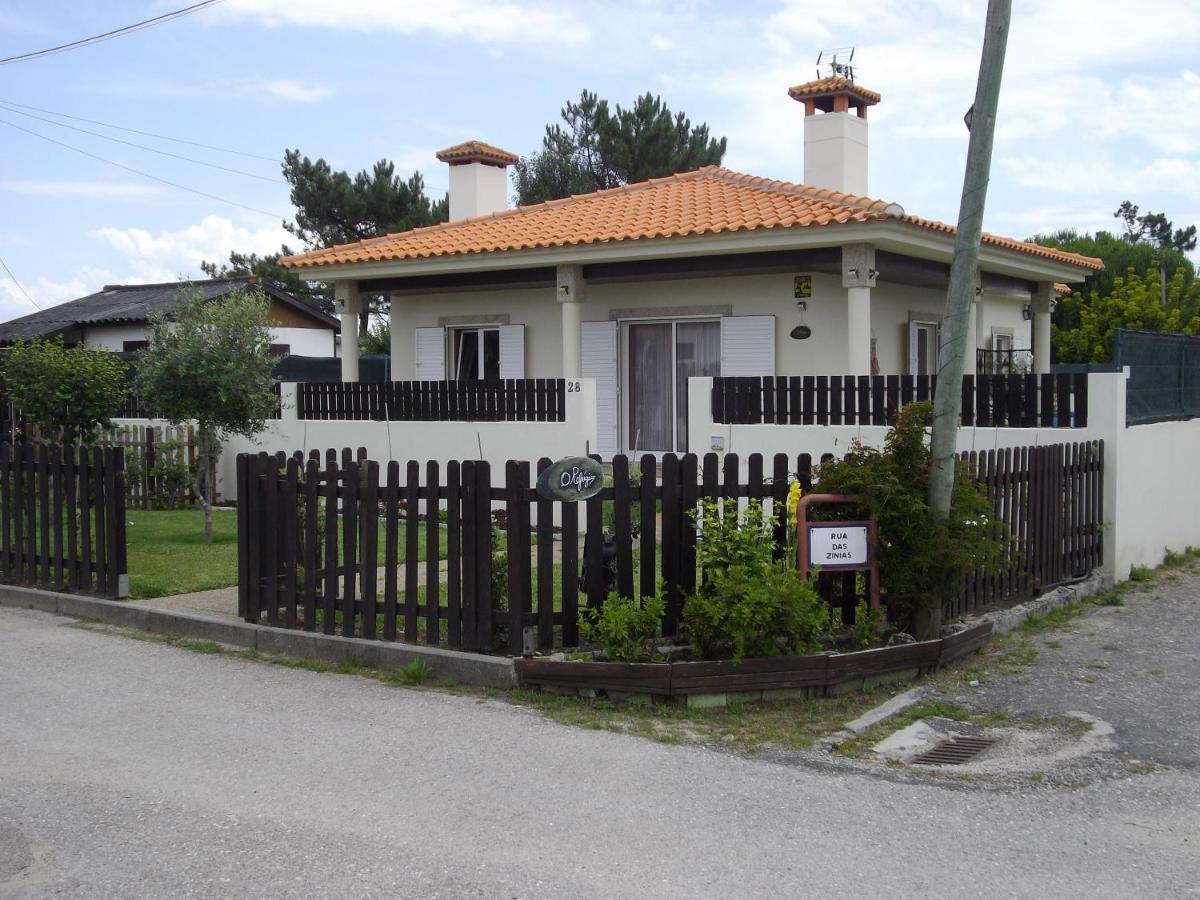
{"type": "Point", "coordinates": [710, 200]}
{"type": "Point", "coordinates": [476, 151]}
{"type": "Point", "coordinates": [834, 84]}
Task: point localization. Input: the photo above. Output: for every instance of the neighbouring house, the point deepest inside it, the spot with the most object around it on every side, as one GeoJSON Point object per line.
{"type": "Point", "coordinates": [118, 317]}
{"type": "Point", "coordinates": [705, 273]}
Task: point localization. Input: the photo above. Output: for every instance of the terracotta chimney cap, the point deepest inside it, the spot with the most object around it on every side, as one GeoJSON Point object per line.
{"type": "Point", "coordinates": [823, 91]}
{"type": "Point", "coordinates": [476, 151]}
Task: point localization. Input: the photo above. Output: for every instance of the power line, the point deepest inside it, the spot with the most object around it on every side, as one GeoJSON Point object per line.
{"type": "Point", "coordinates": [117, 140]}
{"type": "Point", "coordinates": [161, 137]}
{"type": "Point", "coordinates": [140, 172]}
{"type": "Point", "coordinates": [20, 287]}
{"type": "Point", "coordinates": [109, 35]}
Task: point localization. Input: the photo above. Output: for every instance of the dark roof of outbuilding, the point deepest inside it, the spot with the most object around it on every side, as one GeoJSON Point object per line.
{"type": "Point", "coordinates": [116, 304]}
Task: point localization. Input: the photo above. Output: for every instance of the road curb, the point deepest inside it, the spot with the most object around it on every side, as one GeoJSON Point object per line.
{"type": "Point", "coordinates": [444, 665]}
{"type": "Point", "coordinates": [1010, 619]}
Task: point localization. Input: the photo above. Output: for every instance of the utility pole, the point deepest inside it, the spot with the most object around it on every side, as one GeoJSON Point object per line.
{"type": "Point", "coordinates": [981, 121]}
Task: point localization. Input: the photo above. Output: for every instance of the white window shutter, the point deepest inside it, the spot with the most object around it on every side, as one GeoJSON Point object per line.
{"type": "Point", "coordinates": [512, 351]}
{"type": "Point", "coordinates": [430, 354]}
{"type": "Point", "coordinates": [747, 345]}
{"type": "Point", "coordinates": [600, 362]}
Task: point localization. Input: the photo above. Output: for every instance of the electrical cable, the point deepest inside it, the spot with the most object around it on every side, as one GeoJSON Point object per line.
{"type": "Point", "coordinates": [109, 35]}
{"type": "Point", "coordinates": [117, 140]}
{"type": "Point", "coordinates": [110, 162]}
{"type": "Point", "coordinates": [161, 137]}
{"type": "Point", "coordinates": [20, 286]}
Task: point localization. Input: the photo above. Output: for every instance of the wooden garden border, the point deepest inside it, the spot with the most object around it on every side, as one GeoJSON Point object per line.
{"type": "Point", "coordinates": [680, 679]}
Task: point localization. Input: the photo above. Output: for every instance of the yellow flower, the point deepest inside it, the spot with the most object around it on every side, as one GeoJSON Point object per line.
{"type": "Point", "coordinates": [793, 499]}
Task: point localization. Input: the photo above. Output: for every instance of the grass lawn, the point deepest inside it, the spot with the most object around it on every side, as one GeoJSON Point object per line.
{"type": "Point", "coordinates": [167, 553]}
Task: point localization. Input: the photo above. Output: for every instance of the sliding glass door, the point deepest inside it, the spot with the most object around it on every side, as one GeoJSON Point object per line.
{"type": "Point", "coordinates": [659, 359]}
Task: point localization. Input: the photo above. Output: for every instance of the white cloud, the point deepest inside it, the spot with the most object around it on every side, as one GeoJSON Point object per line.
{"type": "Point", "coordinates": [288, 89]}
{"type": "Point", "coordinates": [170, 254]}
{"type": "Point", "coordinates": [143, 257]}
{"type": "Point", "coordinates": [48, 292]}
{"type": "Point", "coordinates": [500, 22]}
{"type": "Point", "coordinates": [75, 188]}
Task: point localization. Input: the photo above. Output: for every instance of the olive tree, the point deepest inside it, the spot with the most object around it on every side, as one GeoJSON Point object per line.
{"type": "Point", "coordinates": [211, 363]}
{"type": "Point", "coordinates": [68, 392]}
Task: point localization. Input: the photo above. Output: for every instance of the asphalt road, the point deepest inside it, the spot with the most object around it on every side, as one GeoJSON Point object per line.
{"type": "Point", "coordinates": [135, 769]}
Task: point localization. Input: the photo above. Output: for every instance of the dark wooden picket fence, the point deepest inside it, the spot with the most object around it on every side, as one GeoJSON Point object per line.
{"type": "Point", "coordinates": [329, 545]}
{"type": "Point", "coordinates": [63, 518]}
{"type": "Point", "coordinates": [1012, 401]}
{"type": "Point", "coordinates": [511, 400]}
{"type": "Point", "coordinates": [1048, 508]}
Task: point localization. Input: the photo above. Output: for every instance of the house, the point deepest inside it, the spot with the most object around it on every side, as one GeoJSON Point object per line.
{"type": "Point", "coordinates": [710, 272]}
{"type": "Point", "coordinates": [117, 317]}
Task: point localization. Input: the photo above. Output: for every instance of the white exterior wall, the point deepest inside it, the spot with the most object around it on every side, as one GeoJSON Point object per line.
{"type": "Point", "coordinates": [745, 295]}
{"type": "Point", "coordinates": [113, 337]}
{"type": "Point", "coordinates": [305, 341]}
{"type": "Point", "coordinates": [1004, 312]}
{"type": "Point", "coordinates": [302, 341]}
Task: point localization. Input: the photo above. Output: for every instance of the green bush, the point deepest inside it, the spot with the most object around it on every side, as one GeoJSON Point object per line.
{"type": "Point", "coordinates": [749, 604]}
{"type": "Point", "coordinates": [625, 628]}
{"type": "Point", "coordinates": [922, 559]}
{"type": "Point", "coordinates": [868, 628]}
{"type": "Point", "coordinates": [172, 475]}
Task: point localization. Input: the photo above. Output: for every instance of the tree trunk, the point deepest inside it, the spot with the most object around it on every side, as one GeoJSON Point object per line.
{"type": "Point", "coordinates": [1162, 279]}
{"type": "Point", "coordinates": [202, 479]}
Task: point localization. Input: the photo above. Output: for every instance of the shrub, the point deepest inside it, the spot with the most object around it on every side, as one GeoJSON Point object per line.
{"type": "Point", "coordinates": [922, 559]}
{"type": "Point", "coordinates": [868, 628]}
{"type": "Point", "coordinates": [749, 604]}
{"type": "Point", "coordinates": [625, 628]}
{"type": "Point", "coordinates": [69, 392]}
{"type": "Point", "coordinates": [172, 475]}
{"type": "Point", "coordinates": [747, 613]}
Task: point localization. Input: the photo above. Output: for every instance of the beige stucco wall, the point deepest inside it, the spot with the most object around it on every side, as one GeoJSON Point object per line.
{"type": "Point", "coordinates": [892, 305]}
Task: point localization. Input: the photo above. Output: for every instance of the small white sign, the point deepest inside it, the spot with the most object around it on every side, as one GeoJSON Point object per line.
{"type": "Point", "coordinates": [830, 546]}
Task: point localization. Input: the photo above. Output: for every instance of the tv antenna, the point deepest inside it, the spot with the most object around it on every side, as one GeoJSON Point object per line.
{"type": "Point", "coordinates": [836, 63]}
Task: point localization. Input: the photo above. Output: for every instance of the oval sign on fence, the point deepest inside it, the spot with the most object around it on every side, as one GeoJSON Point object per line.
{"type": "Point", "coordinates": [571, 479]}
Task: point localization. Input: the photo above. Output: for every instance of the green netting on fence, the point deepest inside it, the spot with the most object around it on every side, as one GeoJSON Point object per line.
{"type": "Point", "coordinates": [1164, 375]}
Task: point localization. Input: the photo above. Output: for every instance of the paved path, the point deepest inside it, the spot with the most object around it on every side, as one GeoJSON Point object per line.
{"type": "Point", "coordinates": [1136, 666]}
{"type": "Point", "coordinates": [135, 769]}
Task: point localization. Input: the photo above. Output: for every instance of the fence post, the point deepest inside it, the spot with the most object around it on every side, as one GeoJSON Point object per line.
{"type": "Point", "coordinates": [120, 566]}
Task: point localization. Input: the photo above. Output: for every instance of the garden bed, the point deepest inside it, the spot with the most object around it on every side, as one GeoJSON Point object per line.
{"type": "Point", "coordinates": [808, 676]}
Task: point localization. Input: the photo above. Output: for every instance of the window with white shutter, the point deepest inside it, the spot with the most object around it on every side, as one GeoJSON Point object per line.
{"type": "Point", "coordinates": [430, 354]}
{"type": "Point", "coordinates": [512, 351]}
{"type": "Point", "coordinates": [600, 362]}
{"type": "Point", "coordinates": [747, 345]}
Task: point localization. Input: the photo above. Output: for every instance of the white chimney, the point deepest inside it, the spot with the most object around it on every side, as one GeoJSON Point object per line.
{"type": "Point", "coordinates": [478, 178]}
{"type": "Point", "coordinates": [835, 133]}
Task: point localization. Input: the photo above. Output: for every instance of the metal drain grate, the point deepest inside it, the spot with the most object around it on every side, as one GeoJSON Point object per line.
{"type": "Point", "coordinates": [954, 751]}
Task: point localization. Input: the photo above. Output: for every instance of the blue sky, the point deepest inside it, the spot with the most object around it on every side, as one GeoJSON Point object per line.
{"type": "Point", "coordinates": [1101, 103]}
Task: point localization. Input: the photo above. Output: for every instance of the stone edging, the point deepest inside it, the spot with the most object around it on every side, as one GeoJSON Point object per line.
{"type": "Point", "coordinates": [444, 665]}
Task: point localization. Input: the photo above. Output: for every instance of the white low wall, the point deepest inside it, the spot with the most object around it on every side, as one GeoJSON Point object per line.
{"type": "Point", "coordinates": [1158, 493]}
{"type": "Point", "coordinates": [1106, 422]}
{"type": "Point", "coordinates": [496, 442]}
